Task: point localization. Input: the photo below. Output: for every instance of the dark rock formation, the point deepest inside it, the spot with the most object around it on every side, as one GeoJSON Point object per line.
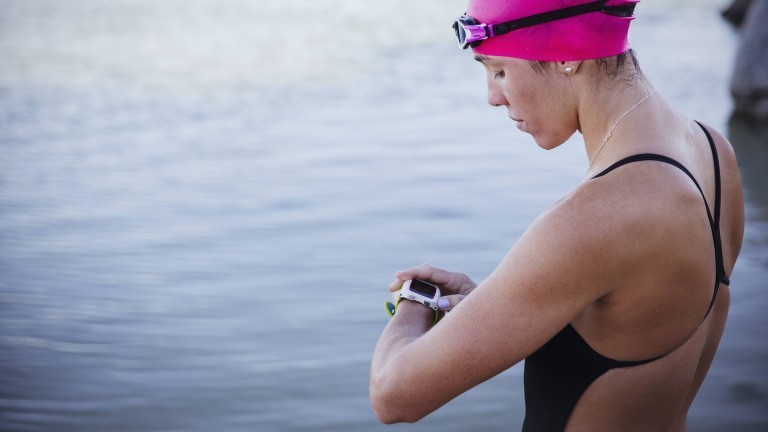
{"type": "Point", "coordinates": [736, 12]}
{"type": "Point", "coordinates": [749, 83]}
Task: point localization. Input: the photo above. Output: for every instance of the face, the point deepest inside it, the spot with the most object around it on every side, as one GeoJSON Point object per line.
{"type": "Point", "coordinates": [541, 103]}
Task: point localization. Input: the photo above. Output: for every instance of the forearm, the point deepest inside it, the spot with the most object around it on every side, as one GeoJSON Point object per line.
{"type": "Point", "coordinates": [410, 322]}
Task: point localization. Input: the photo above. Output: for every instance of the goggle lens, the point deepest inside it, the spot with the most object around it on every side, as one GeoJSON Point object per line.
{"type": "Point", "coordinates": [469, 32]}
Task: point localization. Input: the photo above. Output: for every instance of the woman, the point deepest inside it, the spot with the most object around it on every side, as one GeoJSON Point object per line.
{"type": "Point", "coordinates": [616, 297]}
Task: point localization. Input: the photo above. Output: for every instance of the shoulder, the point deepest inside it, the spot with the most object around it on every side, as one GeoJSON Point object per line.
{"type": "Point", "coordinates": [729, 167]}
{"type": "Point", "coordinates": [732, 211]}
{"type": "Point", "coordinates": [602, 238]}
{"type": "Point", "coordinates": [607, 227]}
{"type": "Point", "coordinates": [725, 151]}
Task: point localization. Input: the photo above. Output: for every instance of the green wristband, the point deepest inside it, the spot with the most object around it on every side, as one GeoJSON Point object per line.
{"type": "Point", "coordinates": [391, 308]}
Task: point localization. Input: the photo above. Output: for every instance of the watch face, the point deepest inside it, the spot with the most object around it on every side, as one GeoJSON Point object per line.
{"type": "Point", "coordinates": [426, 289]}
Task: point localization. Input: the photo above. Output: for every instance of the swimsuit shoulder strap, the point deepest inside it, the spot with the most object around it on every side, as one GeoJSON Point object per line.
{"type": "Point", "coordinates": [721, 276]}
{"type": "Point", "coordinates": [667, 160]}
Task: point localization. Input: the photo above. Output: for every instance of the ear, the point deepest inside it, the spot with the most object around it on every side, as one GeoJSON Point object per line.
{"type": "Point", "coordinates": [569, 67]}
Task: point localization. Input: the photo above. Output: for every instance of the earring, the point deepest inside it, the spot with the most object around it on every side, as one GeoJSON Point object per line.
{"type": "Point", "coordinates": [569, 70]}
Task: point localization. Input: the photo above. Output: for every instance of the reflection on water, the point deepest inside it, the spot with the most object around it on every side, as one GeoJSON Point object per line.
{"type": "Point", "coordinates": [196, 228]}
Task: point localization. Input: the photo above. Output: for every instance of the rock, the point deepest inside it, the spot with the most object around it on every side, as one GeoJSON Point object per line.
{"type": "Point", "coordinates": [750, 141]}
{"type": "Point", "coordinates": [736, 12]}
{"type": "Point", "coordinates": [749, 83]}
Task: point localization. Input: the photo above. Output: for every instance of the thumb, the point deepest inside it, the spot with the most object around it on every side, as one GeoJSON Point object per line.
{"type": "Point", "coordinates": [449, 302]}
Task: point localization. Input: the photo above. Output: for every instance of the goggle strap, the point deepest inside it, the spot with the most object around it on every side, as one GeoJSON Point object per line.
{"type": "Point", "coordinates": [597, 6]}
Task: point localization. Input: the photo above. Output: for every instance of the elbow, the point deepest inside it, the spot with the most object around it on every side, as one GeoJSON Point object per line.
{"type": "Point", "coordinates": [384, 403]}
{"type": "Point", "coordinates": [384, 413]}
{"type": "Point", "coordinates": [389, 406]}
{"type": "Point", "coordinates": [390, 413]}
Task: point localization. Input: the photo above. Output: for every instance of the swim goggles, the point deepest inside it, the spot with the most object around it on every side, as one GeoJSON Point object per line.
{"type": "Point", "coordinates": [471, 33]}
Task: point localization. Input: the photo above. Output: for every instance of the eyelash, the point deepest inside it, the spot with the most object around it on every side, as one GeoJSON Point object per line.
{"type": "Point", "coordinates": [499, 75]}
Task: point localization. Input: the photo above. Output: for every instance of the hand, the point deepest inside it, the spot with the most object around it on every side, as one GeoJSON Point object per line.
{"type": "Point", "coordinates": [453, 286]}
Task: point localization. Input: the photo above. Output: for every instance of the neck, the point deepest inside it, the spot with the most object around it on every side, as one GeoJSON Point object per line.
{"type": "Point", "coordinates": [604, 114]}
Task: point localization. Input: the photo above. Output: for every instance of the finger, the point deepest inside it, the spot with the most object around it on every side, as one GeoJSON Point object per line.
{"type": "Point", "coordinates": [449, 302]}
{"type": "Point", "coordinates": [452, 281]}
{"type": "Point", "coordinates": [428, 273]}
{"type": "Point", "coordinates": [421, 272]}
{"type": "Point", "coordinates": [396, 285]}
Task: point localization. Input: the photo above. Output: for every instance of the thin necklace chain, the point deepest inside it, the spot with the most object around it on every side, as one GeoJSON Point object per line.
{"type": "Point", "coordinates": [610, 131]}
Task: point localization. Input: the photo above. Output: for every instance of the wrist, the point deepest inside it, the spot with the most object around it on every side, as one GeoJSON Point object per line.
{"type": "Point", "coordinates": [416, 308]}
{"type": "Point", "coordinates": [417, 311]}
{"type": "Point", "coordinates": [413, 291]}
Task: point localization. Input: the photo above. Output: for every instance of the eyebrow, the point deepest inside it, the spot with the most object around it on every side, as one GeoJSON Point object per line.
{"type": "Point", "coordinates": [481, 58]}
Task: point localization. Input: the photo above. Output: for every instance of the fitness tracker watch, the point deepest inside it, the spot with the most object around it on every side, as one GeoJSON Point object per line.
{"type": "Point", "coordinates": [417, 291]}
{"type": "Point", "coordinates": [420, 292]}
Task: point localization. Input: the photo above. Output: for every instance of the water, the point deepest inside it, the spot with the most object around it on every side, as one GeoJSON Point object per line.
{"type": "Point", "coordinates": [201, 203]}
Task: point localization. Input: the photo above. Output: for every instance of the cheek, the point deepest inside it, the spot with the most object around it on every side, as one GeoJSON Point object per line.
{"type": "Point", "coordinates": [521, 97]}
{"type": "Point", "coordinates": [541, 103]}
{"type": "Point", "coordinates": [552, 122]}
{"type": "Point", "coordinates": [529, 96]}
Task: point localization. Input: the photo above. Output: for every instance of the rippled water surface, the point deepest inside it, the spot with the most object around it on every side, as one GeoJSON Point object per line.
{"type": "Point", "coordinates": [202, 201]}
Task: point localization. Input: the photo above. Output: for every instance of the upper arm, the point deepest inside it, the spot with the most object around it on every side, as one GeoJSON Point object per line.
{"type": "Point", "coordinates": [560, 265]}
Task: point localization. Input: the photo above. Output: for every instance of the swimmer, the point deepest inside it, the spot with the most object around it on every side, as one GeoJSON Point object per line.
{"type": "Point", "coordinates": [615, 297]}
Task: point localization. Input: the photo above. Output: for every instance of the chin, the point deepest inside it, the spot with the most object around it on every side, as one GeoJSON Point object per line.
{"type": "Point", "coordinates": [547, 144]}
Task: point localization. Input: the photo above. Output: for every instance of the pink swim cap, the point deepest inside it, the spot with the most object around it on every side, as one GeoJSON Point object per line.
{"type": "Point", "coordinates": [582, 37]}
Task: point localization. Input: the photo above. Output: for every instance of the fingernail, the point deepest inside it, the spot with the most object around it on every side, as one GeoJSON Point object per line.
{"type": "Point", "coordinates": [443, 304]}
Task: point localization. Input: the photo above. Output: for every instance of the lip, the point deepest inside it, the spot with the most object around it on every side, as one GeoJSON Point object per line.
{"type": "Point", "coordinates": [519, 122]}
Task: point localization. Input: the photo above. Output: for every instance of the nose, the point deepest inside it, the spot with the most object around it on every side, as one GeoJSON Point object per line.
{"type": "Point", "coordinates": [496, 97]}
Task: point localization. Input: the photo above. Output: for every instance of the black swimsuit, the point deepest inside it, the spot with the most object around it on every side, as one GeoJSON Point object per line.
{"type": "Point", "coordinates": [560, 371]}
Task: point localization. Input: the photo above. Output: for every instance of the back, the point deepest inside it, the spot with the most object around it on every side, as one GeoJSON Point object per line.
{"type": "Point", "coordinates": [660, 313]}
